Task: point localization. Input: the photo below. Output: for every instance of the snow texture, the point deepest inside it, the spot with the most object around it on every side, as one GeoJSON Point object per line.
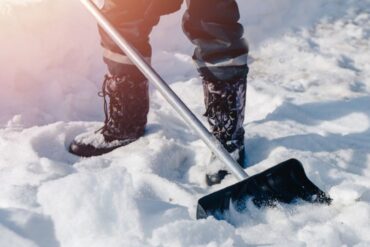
{"type": "Point", "coordinates": [308, 98]}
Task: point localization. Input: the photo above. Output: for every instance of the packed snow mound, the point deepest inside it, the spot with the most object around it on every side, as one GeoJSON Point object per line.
{"type": "Point", "coordinates": [308, 98]}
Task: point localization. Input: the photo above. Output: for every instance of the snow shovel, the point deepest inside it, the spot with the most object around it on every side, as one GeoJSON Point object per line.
{"type": "Point", "coordinates": [286, 182]}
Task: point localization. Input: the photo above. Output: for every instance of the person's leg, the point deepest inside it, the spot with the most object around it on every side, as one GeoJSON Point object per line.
{"type": "Point", "coordinates": [212, 25]}
{"type": "Point", "coordinates": [134, 19]}
{"type": "Point", "coordinates": [125, 86]}
{"type": "Point", "coordinates": [221, 58]}
{"type": "Point", "coordinates": [130, 19]}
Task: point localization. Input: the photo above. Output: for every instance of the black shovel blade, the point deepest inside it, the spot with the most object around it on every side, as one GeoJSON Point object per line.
{"type": "Point", "coordinates": [285, 182]}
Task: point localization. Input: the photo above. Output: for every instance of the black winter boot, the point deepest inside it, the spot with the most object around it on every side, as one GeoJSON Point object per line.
{"type": "Point", "coordinates": [225, 107]}
{"type": "Point", "coordinates": [125, 119]}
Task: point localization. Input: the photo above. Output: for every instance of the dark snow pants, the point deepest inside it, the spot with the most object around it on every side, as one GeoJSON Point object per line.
{"type": "Point", "coordinates": [211, 25]}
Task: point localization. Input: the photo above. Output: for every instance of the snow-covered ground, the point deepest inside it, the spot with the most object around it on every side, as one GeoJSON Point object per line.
{"type": "Point", "coordinates": [308, 98]}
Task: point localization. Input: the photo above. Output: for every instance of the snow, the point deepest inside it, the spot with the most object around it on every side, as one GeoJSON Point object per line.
{"type": "Point", "coordinates": [308, 98]}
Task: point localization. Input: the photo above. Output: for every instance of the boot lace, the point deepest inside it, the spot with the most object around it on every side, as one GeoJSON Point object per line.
{"type": "Point", "coordinates": [113, 103]}
{"type": "Point", "coordinates": [221, 113]}
{"type": "Point", "coordinates": [225, 112]}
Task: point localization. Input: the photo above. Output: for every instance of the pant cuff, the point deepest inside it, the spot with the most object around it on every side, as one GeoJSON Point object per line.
{"type": "Point", "coordinates": [119, 58]}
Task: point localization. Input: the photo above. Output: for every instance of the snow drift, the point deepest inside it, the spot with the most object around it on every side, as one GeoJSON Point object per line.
{"type": "Point", "coordinates": [308, 98]}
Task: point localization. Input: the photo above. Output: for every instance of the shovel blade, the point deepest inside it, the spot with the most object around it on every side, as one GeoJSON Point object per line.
{"type": "Point", "coordinates": [285, 182]}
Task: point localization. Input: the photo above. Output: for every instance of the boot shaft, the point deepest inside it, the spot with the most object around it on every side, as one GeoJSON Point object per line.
{"type": "Point", "coordinates": [225, 110]}
{"type": "Point", "coordinates": [126, 116]}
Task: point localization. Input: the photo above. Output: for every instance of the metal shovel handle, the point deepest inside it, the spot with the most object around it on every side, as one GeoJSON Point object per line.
{"type": "Point", "coordinates": [215, 146]}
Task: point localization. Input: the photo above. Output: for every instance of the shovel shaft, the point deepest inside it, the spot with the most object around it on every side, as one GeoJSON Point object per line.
{"type": "Point", "coordinates": [215, 146]}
